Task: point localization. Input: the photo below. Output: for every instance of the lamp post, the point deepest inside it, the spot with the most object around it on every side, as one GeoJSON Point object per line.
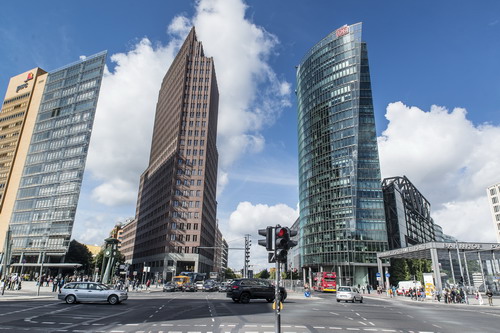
{"type": "Point", "coordinates": [42, 255]}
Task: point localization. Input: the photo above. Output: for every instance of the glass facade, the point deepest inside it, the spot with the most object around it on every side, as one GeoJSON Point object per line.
{"type": "Point", "coordinates": [342, 221]}
{"type": "Point", "coordinates": [44, 211]}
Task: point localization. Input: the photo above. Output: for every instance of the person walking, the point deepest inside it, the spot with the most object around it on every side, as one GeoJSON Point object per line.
{"type": "Point", "coordinates": [490, 297]}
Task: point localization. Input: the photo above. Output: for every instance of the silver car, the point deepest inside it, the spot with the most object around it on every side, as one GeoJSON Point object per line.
{"type": "Point", "coordinates": [74, 292]}
{"type": "Point", "coordinates": [349, 294]}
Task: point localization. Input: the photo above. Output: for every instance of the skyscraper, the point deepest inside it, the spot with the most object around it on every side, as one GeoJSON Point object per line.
{"type": "Point", "coordinates": [40, 202]}
{"type": "Point", "coordinates": [176, 205]}
{"type": "Point", "coordinates": [493, 193]}
{"type": "Point", "coordinates": [342, 223]}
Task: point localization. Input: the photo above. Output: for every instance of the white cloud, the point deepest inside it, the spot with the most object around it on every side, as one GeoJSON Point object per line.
{"type": "Point", "coordinates": [251, 96]}
{"type": "Point", "coordinates": [449, 159]}
{"type": "Point", "coordinates": [247, 219]}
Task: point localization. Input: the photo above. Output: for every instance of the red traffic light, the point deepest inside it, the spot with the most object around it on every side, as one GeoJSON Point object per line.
{"type": "Point", "coordinates": [281, 232]}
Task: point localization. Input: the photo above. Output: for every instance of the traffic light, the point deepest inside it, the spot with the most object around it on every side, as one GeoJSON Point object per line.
{"type": "Point", "coordinates": [268, 242]}
{"type": "Point", "coordinates": [281, 243]}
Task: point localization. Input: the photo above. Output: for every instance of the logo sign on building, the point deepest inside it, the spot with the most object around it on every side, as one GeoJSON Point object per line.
{"type": "Point", "coordinates": [25, 84]}
{"type": "Point", "coordinates": [342, 31]}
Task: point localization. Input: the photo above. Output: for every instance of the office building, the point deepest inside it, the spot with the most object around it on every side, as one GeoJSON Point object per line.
{"type": "Point", "coordinates": [176, 225]}
{"type": "Point", "coordinates": [408, 214]}
{"type": "Point", "coordinates": [493, 193]}
{"type": "Point", "coordinates": [342, 222]}
{"type": "Point", "coordinates": [41, 195]}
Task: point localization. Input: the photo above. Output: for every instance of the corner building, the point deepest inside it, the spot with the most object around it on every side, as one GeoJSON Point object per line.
{"type": "Point", "coordinates": [342, 223]}
{"type": "Point", "coordinates": [176, 206]}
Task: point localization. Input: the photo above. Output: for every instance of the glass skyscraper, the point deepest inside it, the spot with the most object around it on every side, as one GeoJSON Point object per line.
{"type": "Point", "coordinates": [44, 210]}
{"type": "Point", "coordinates": [342, 222]}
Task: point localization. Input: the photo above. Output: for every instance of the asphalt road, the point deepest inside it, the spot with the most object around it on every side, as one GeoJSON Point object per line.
{"type": "Point", "coordinates": [213, 312]}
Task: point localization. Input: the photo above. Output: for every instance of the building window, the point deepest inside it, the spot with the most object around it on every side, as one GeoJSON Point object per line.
{"type": "Point", "coordinates": [188, 226]}
{"type": "Point", "coordinates": [186, 249]}
{"type": "Point", "coordinates": [195, 238]}
{"type": "Point", "coordinates": [494, 200]}
{"type": "Point", "coordinates": [195, 227]}
{"type": "Point", "coordinates": [493, 191]}
{"type": "Point", "coordinates": [188, 238]}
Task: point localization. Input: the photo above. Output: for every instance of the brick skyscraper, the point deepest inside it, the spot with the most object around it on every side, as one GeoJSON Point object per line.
{"type": "Point", "coordinates": [176, 204]}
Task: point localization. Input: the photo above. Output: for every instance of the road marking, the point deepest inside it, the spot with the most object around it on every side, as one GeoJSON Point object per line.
{"type": "Point", "coordinates": [436, 326]}
{"type": "Point", "coordinates": [352, 329]}
{"type": "Point", "coordinates": [335, 328]}
{"type": "Point", "coordinates": [48, 322]}
{"type": "Point", "coordinates": [247, 325]}
{"type": "Point", "coordinates": [318, 326]}
{"type": "Point", "coordinates": [131, 324]}
{"type": "Point", "coordinates": [371, 323]}
{"type": "Point", "coordinates": [362, 323]}
{"type": "Point", "coordinates": [267, 326]}
{"type": "Point", "coordinates": [66, 323]}
{"type": "Point", "coordinates": [391, 331]}
{"type": "Point", "coordinates": [334, 313]}
{"type": "Point", "coordinates": [370, 329]}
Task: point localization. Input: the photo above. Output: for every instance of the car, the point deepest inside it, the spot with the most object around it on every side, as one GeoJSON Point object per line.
{"type": "Point", "coordinates": [243, 290]}
{"type": "Point", "coordinates": [199, 285]}
{"type": "Point", "coordinates": [210, 286]}
{"type": "Point", "coordinates": [223, 287]}
{"type": "Point", "coordinates": [348, 293]}
{"type": "Point", "coordinates": [170, 286]}
{"type": "Point", "coordinates": [75, 292]}
{"type": "Point", "coordinates": [189, 287]}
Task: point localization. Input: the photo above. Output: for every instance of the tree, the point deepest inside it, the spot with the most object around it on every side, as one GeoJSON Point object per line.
{"type": "Point", "coordinates": [80, 254]}
{"type": "Point", "coordinates": [229, 274]}
{"type": "Point", "coordinates": [263, 274]}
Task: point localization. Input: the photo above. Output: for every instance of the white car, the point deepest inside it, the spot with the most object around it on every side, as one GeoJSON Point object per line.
{"type": "Point", "coordinates": [199, 285]}
{"type": "Point", "coordinates": [349, 294]}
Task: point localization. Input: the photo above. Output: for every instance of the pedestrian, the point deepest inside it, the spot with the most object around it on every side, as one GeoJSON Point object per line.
{"type": "Point", "coordinates": [479, 298]}
{"type": "Point", "coordinates": [148, 283]}
{"type": "Point", "coordinates": [363, 288]}
{"type": "Point", "coordinates": [61, 283]}
{"type": "Point", "coordinates": [490, 297]}
{"type": "Point", "coordinates": [55, 283]}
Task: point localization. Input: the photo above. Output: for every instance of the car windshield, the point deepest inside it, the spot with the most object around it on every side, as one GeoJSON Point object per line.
{"type": "Point", "coordinates": [344, 289]}
{"type": "Point", "coordinates": [103, 286]}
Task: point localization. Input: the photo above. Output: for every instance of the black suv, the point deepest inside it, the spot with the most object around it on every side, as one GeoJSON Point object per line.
{"type": "Point", "coordinates": [243, 290]}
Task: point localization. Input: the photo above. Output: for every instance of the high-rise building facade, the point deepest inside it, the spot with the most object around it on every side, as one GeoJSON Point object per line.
{"type": "Point", "coordinates": [19, 111]}
{"type": "Point", "coordinates": [493, 193]}
{"type": "Point", "coordinates": [342, 222]}
{"type": "Point", "coordinates": [176, 206]}
{"type": "Point", "coordinates": [408, 214]}
{"type": "Point", "coordinates": [42, 204]}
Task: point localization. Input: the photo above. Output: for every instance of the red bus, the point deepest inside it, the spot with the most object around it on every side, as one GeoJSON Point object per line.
{"type": "Point", "coordinates": [325, 281]}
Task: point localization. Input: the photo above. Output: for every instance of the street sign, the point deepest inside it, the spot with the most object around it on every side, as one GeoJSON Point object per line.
{"type": "Point", "coordinates": [387, 275]}
{"type": "Point", "coordinates": [378, 275]}
{"type": "Point", "coordinates": [271, 258]}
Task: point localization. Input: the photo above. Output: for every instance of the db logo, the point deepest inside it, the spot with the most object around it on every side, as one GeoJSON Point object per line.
{"type": "Point", "coordinates": [342, 31]}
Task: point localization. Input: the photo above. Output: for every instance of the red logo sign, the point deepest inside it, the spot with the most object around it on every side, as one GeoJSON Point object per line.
{"type": "Point", "coordinates": [342, 31]}
{"type": "Point", "coordinates": [30, 77]}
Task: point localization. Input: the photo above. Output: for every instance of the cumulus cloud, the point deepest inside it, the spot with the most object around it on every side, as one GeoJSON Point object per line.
{"type": "Point", "coordinates": [449, 159]}
{"type": "Point", "coordinates": [121, 138]}
{"type": "Point", "coordinates": [246, 219]}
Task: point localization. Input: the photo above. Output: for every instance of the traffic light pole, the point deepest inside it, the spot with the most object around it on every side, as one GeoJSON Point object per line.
{"type": "Point", "coordinates": [277, 298]}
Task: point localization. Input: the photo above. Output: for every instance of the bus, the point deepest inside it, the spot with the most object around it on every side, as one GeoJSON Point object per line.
{"type": "Point", "coordinates": [325, 281]}
{"type": "Point", "coordinates": [181, 280]}
{"type": "Point", "coordinates": [194, 276]}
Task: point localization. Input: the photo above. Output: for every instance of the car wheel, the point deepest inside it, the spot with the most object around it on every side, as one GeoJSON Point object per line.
{"type": "Point", "coordinates": [235, 300]}
{"type": "Point", "coordinates": [113, 299]}
{"type": "Point", "coordinates": [70, 299]}
{"type": "Point", "coordinates": [245, 298]}
{"type": "Point", "coordinates": [269, 300]}
{"type": "Point", "coordinates": [338, 301]}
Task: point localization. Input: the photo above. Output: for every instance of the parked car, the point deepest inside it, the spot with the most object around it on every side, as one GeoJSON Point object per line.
{"type": "Point", "coordinates": [348, 293]}
{"type": "Point", "coordinates": [74, 292]}
{"type": "Point", "coordinates": [170, 286]}
{"type": "Point", "coordinates": [243, 290]}
{"type": "Point", "coordinates": [189, 287]}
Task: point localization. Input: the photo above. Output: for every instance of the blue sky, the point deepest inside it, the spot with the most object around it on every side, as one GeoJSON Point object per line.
{"type": "Point", "coordinates": [434, 68]}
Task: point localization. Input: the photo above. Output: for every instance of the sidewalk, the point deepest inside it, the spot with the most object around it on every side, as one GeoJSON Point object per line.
{"type": "Point", "coordinates": [472, 300]}
{"type": "Point", "coordinates": [29, 290]}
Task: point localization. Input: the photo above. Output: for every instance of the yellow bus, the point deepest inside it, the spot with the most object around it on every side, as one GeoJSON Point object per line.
{"type": "Point", "coordinates": [181, 280]}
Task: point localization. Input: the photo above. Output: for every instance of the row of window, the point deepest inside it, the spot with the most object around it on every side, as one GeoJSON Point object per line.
{"type": "Point", "coordinates": [192, 142]}
{"type": "Point", "coordinates": [188, 182]}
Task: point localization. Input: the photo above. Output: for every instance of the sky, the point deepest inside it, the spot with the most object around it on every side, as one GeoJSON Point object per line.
{"type": "Point", "coordinates": [434, 69]}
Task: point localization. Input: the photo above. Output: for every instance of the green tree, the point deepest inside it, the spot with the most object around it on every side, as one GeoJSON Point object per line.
{"type": "Point", "coordinates": [229, 274]}
{"type": "Point", "coordinates": [80, 254]}
{"type": "Point", "coordinates": [263, 274]}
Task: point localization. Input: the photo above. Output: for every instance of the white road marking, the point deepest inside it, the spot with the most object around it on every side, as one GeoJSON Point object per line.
{"type": "Point", "coordinates": [335, 328]}
{"type": "Point", "coordinates": [371, 323]}
{"type": "Point", "coordinates": [48, 322]}
{"type": "Point", "coordinates": [362, 323]}
{"type": "Point", "coordinates": [318, 326]}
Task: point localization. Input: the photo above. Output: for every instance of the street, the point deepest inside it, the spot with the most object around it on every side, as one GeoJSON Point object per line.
{"type": "Point", "coordinates": [213, 312]}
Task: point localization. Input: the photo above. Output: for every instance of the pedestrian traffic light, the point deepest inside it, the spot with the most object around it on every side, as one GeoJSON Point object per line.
{"type": "Point", "coordinates": [268, 242]}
